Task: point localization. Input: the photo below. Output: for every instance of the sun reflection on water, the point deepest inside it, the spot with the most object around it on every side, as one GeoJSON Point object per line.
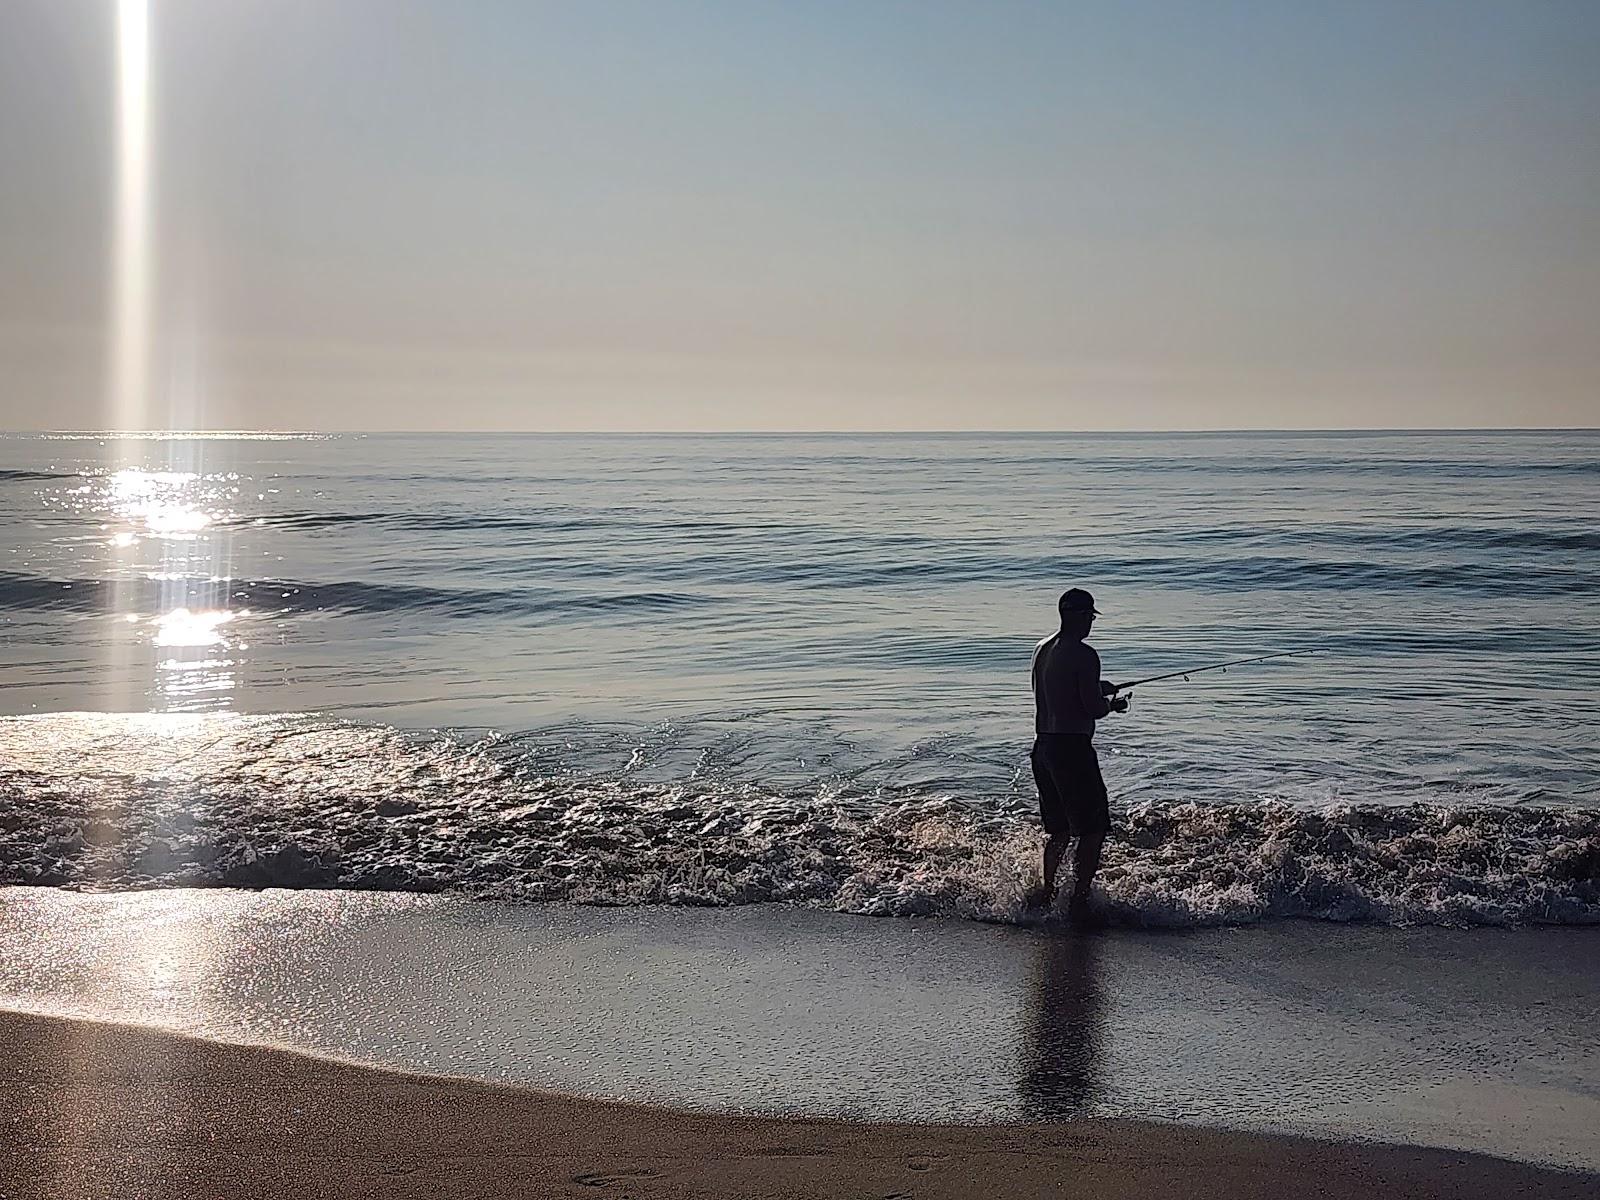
{"type": "Point", "coordinates": [170, 535]}
{"type": "Point", "coordinates": [180, 627]}
{"type": "Point", "coordinates": [164, 517]}
{"type": "Point", "coordinates": [165, 503]}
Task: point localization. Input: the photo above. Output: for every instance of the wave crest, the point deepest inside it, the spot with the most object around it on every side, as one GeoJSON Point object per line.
{"type": "Point", "coordinates": [445, 820]}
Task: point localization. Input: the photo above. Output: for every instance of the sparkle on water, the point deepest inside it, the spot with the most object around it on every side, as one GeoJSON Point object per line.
{"type": "Point", "coordinates": [169, 525]}
{"type": "Point", "coordinates": [180, 627]}
{"type": "Point", "coordinates": [162, 501]}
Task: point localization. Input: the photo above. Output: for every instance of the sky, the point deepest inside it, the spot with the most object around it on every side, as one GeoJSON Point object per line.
{"type": "Point", "coordinates": [829, 214]}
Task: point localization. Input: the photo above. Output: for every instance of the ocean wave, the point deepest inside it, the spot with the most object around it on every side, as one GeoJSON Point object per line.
{"type": "Point", "coordinates": [1292, 465]}
{"type": "Point", "coordinates": [697, 562]}
{"type": "Point", "coordinates": [703, 580]}
{"type": "Point", "coordinates": [369, 597]}
{"type": "Point", "coordinates": [845, 570]}
{"type": "Point", "coordinates": [369, 808]}
{"type": "Point", "coordinates": [1430, 538]}
{"type": "Point", "coordinates": [91, 595]}
{"type": "Point", "coordinates": [1072, 458]}
{"type": "Point", "coordinates": [19, 590]}
{"type": "Point", "coordinates": [16, 476]}
{"type": "Point", "coordinates": [956, 558]}
{"type": "Point", "coordinates": [435, 522]}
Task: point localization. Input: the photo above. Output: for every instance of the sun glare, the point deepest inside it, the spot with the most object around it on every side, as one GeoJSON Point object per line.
{"type": "Point", "coordinates": [161, 501]}
{"type": "Point", "coordinates": [180, 627]}
{"type": "Point", "coordinates": [131, 245]}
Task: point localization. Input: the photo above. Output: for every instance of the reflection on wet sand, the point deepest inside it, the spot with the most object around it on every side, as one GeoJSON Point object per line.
{"type": "Point", "coordinates": [1064, 1047]}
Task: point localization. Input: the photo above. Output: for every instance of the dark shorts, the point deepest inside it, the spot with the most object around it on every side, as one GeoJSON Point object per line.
{"type": "Point", "coordinates": [1072, 795]}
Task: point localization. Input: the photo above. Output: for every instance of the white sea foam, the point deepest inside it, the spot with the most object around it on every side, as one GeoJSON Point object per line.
{"type": "Point", "coordinates": [343, 806]}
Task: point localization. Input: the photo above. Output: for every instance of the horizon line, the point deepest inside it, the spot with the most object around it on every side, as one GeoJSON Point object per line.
{"type": "Point", "coordinates": [1189, 431]}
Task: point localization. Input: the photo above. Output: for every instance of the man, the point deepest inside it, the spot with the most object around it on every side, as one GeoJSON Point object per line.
{"type": "Point", "coordinates": [1069, 697]}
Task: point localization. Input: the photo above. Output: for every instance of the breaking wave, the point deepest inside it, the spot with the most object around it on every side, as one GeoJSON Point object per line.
{"type": "Point", "coordinates": [347, 806]}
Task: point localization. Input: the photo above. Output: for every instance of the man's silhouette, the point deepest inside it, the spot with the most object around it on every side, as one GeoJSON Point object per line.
{"type": "Point", "coordinates": [1069, 697]}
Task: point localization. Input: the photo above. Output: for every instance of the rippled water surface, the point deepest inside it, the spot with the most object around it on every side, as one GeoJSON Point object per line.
{"type": "Point", "coordinates": [723, 669]}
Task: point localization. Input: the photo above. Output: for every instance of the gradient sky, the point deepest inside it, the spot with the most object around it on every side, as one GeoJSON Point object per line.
{"type": "Point", "coordinates": [829, 214]}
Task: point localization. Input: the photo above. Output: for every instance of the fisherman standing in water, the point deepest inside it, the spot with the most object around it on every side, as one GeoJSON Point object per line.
{"type": "Point", "coordinates": [1069, 697]}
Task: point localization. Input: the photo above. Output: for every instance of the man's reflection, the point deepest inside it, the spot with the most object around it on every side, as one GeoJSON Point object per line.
{"type": "Point", "coordinates": [1066, 1029]}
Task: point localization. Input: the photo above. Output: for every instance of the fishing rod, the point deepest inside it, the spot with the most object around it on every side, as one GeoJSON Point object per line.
{"type": "Point", "coordinates": [1222, 666]}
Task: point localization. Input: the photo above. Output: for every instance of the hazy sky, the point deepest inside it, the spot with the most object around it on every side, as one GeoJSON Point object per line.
{"type": "Point", "coordinates": [858, 214]}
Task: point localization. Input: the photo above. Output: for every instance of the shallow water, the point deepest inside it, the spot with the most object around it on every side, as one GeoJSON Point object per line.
{"type": "Point", "coordinates": [729, 669]}
{"type": "Point", "coordinates": [1479, 1041]}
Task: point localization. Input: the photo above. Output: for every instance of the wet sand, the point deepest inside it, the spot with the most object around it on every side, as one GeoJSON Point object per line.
{"type": "Point", "coordinates": [91, 1110]}
{"type": "Point", "coordinates": [1479, 1040]}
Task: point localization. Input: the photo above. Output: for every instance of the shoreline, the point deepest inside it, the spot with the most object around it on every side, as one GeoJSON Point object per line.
{"type": "Point", "coordinates": [1470, 1042]}
{"type": "Point", "coordinates": [91, 1110]}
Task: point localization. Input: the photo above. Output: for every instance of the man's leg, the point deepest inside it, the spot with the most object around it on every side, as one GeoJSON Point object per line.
{"type": "Point", "coordinates": [1053, 818]}
{"type": "Point", "coordinates": [1054, 851]}
{"type": "Point", "coordinates": [1095, 814]}
{"type": "Point", "coordinates": [1085, 862]}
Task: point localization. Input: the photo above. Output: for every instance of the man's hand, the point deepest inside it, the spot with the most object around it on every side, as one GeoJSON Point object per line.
{"type": "Point", "coordinates": [1120, 704]}
{"type": "Point", "coordinates": [1107, 688]}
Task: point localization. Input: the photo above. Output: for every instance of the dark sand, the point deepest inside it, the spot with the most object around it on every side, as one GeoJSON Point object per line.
{"type": "Point", "coordinates": [1479, 1040]}
{"type": "Point", "coordinates": [90, 1110]}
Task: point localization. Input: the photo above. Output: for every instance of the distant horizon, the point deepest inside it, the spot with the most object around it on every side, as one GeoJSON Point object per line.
{"type": "Point", "coordinates": [175, 434]}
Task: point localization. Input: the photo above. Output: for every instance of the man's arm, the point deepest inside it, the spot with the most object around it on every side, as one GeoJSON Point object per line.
{"type": "Point", "coordinates": [1089, 694]}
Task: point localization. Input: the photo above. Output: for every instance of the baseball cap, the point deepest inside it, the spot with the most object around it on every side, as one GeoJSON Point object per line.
{"type": "Point", "coordinates": [1077, 602]}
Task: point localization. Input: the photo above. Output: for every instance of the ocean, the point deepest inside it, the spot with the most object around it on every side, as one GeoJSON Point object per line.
{"type": "Point", "coordinates": [729, 670]}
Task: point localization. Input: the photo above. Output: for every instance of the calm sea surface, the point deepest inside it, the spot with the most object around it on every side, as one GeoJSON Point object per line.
{"type": "Point", "coordinates": [730, 669]}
